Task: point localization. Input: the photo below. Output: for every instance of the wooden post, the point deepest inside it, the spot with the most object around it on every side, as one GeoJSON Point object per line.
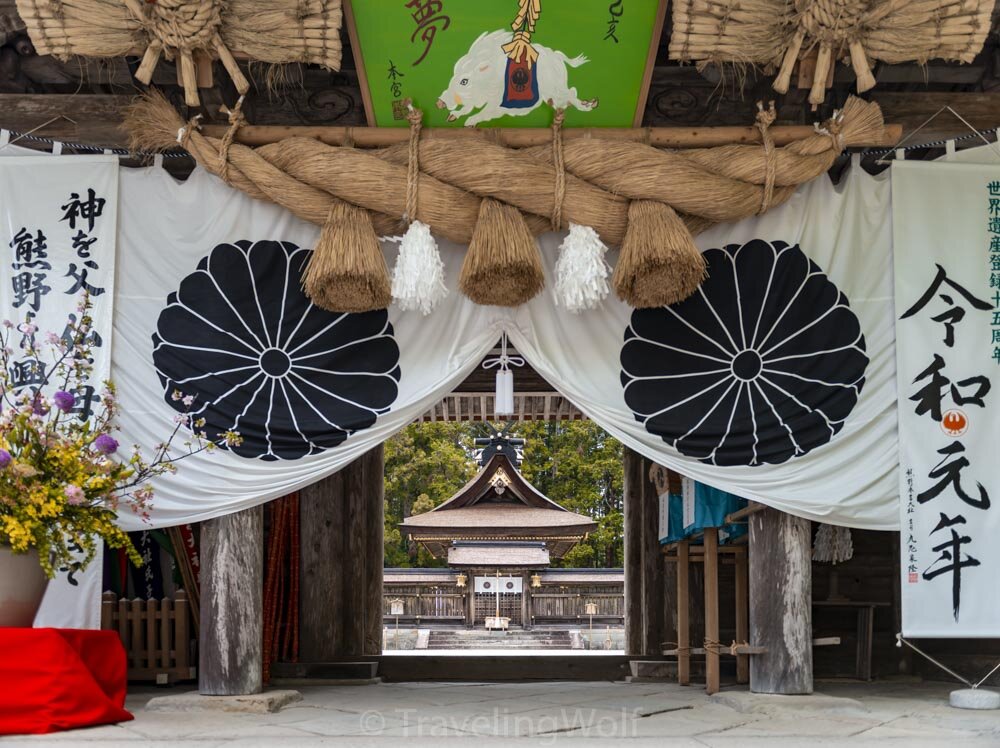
{"type": "Point", "coordinates": [781, 603]}
{"type": "Point", "coordinates": [711, 610]}
{"type": "Point", "coordinates": [352, 564]}
{"type": "Point", "coordinates": [374, 547]}
{"type": "Point", "coordinates": [632, 499]}
{"type": "Point", "coordinates": [231, 631]}
{"type": "Point", "coordinates": [742, 611]}
{"type": "Point", "coordinates": [321, 519]}
{"type": "Point", "coordinates": [683, 607]}
{"type": "Point", "coordinates": [653, 582]}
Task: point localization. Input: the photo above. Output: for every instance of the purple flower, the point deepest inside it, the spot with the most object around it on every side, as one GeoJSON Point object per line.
{"type": "Point", "coordinates": [106, 444]}
{"type": "Point", "coordinates": [64, 401]}
{"type": "Point", "coordinates": [39, 407]}
{"type": "Point", "coordinates": [5, 458]}
{"type": "Point", "coordinates": [75, 495]}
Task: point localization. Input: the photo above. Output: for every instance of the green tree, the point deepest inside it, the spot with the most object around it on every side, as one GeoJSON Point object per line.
{"type": "Point", "coordinates": [579, 466]}
{"type": "Point", "coordinates": [424, 465]}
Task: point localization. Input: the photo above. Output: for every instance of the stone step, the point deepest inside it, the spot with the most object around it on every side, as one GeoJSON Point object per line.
{"type": "Point", "coordinates": [517, 639]}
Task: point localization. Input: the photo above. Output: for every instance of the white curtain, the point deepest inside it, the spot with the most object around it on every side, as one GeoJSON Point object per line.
{"type": "Point", "coordinates": [208, 286]}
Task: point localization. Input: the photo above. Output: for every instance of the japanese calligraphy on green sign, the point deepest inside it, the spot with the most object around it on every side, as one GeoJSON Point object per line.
{"type": "Point", "coordinates": [505, 63]}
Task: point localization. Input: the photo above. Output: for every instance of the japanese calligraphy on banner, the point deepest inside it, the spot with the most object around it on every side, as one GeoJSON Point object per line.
{"type": "Point", "coordinates": [946, 234]}
{"type": "Point", "coordinates": [58, 226]}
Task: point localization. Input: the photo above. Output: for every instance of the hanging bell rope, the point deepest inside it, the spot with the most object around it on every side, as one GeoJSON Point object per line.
{"type": "Point", "coordinates": [465, 192]}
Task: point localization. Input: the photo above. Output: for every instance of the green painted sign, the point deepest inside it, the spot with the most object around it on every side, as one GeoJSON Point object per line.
{"type": "Point", "coordinates": [505, 63]}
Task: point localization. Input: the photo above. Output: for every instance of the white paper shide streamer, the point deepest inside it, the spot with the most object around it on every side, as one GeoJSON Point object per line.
{"type": "Point", "coordinates": [581, 271]}
{"type": "Point", "coordinates": [418, 276]}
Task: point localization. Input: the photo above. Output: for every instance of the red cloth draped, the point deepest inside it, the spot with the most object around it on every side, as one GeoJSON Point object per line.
{"type": "Point", "coordinates": [59, 679]}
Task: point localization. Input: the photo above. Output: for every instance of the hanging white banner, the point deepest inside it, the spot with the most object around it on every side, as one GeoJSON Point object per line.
{"type": "Point", "coordinates": [58, 226]}
{"type": "Point", "coordinates": [947, 285]}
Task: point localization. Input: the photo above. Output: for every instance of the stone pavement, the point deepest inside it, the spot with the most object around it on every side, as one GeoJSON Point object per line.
{"type": "Point", "coordinates": [442, 715]}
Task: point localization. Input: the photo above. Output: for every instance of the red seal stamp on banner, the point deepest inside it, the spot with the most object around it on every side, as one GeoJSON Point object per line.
{"type": "Point", "coordinates": [954, 422]}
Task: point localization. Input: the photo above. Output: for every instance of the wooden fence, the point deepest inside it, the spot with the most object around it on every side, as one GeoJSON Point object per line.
{"type": "Point", "coordinates": [569, 604]}
{"type": "Point", "coordinates": [424, 604]}
{"type": "Point", "coordinates": [156, 635]}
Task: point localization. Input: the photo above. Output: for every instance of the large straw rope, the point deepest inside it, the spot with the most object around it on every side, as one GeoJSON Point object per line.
{"type": "Point", "coordinates": [601, 177]}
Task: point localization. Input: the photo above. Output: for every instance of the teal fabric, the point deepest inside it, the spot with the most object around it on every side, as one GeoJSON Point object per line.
{"type": "Point", "coordinates": [710, 509]}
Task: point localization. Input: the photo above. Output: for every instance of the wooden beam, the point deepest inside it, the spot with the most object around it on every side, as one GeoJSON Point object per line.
{"type": "Point", "coordinates": [632, 499]}
{"type": "Point", "coordinates": [660, 137]}
{"type": "Point", "coordinates": [781, 603]}
{"type": "Point", "coordinates": [910, 110]}
{"type": "Point", "coordinates": [231, 632]}
{"type": "Point", "coordinates": [711, 609]}
{"type": "Point", "coordinates": [86, 118]}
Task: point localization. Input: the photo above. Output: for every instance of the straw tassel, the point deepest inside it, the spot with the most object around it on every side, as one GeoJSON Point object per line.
{"type": "Point", "coordinates": [502, 266]}
{"type": "Point", "coordinates": [659, 262]}
{"type": "Point", "coordinates": [863, 71]}
{"type": "Point", "coordinates": [347, 272]}
{"type": "Point", "coordinates": [581, 271]}
{"type": "Point", "coordinates": [418, 276]}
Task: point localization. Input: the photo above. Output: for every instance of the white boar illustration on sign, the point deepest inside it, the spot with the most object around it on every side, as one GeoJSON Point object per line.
{"type": "Point", "coordinates": [478, 82]}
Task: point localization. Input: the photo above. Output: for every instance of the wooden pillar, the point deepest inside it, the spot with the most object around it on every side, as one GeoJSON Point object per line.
{"type": "Point", "coordinates": [232, 578]}
{"type": "Point", "coordinates": [321, 512]}
{"type": "Point", "coordinates": [374, 547]}
{"type": "Point", "coordinates": [653, 582]}
{"type": "Point", "coordinates": [683, 608]}
{"type": "Point", "coordinates": [632, 499]}
{"type": "Point", "coordinates": [352, 565]}
{"type": "Point", "coordinates": [340, 613]}
{"type": "Point", "coordinates": [711, 610]}
{"type": "Point", "coordinates": [781, 603]}
{"type": "Point", "coordinates": [742, 611]}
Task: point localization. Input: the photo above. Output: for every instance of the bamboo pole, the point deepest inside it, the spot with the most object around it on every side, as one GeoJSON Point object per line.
{"type": "Point", "coordinates": [660, 137]}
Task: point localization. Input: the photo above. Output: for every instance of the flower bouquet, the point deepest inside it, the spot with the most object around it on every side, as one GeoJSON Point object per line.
{"type": "Point", "coordinates": [62, 481]}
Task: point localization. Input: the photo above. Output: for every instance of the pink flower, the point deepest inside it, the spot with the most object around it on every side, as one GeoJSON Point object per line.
{"type": "Point", "coordinates": [75, 495]}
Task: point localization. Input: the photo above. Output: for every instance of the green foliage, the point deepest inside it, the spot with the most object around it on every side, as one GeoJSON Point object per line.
{"type": "Point", "coordinates": [575, 463]}
{"type": "Point", "coordinates": [579, 466]}
{"type": "Point", "coordinates": [425, 464]}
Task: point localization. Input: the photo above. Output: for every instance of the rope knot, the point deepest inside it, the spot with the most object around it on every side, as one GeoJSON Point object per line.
{"type": "Point", "coordinates": [236, 121]}
{"type": "Point", "coordinates": [184, 133]}
{"type": "Point", "coordinates": [415, 117]}
{"type": "Point", "coordinates": [182, 25]}
{"type": "Point", "coordinates": [558, 161]}
{"type": "Point", "coordinates": [766, 118]}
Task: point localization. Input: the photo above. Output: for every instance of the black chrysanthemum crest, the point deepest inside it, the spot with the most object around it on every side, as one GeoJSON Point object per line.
{"type": "Point", "coordinates": [241, 337]}
{"type": "Point", "coordinates": [764, 363]}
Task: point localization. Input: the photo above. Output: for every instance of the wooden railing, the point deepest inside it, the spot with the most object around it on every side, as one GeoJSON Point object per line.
{"type": "Point", "coordinates": [156, 635]}
{"type": "Point", "coordinates": [424, 603]}
{"type": "Point", "coordinates": [570, 605]}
